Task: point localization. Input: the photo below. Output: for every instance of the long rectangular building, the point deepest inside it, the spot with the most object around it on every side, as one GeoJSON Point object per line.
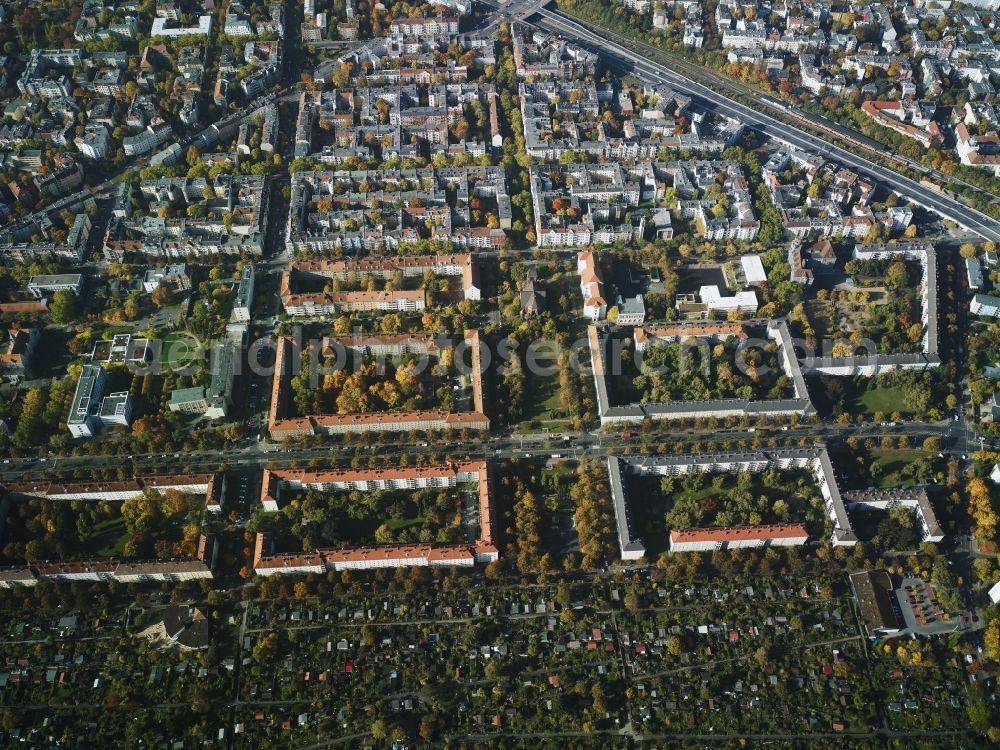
{"type": "Point", "coordinates": [212, 486]}
{"type": "Point", "coordinates": [274, 482]}
{"type": "Point", "coordinates": [334, 303]}
{"type": "Point", "coordinates": [738, 537]}
{"type": "Point", "coordinates": [114, 570]}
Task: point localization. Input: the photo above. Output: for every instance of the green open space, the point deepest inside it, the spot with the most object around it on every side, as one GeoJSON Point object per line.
{"type": "Point", "coordinates": [542, 409]}
{"type": "Point", "coordinates": [146, 527]}
{"type": "Point", "coordinates": [107, 538]}
{"type": "Point", "coordinates": [901, 468]}
{"type": "Point", "coordinates": [886, 400]}
{"type": "Point", "coordinates": [179, 349]}
{"type": "Point", "coordinates": [397, 524]}
{"type": "Point", "coordinates": [893, 394]}
{"type": "Point", "coordinates": [695, 371]}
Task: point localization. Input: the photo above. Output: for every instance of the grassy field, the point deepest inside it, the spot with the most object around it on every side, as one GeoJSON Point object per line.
{"type": "Point", "coordinates": [886, 400]}
{"type": "Point", "coordinates": [541, 404]}
{"type": "Point", "coordinates": [695, 495]}
{"type": "Point", "coordinates": [403, 523]}
{"type": "Point", "coordinates": [892, 464]}
{"type": "Point", "coordinates": [179, 349]}
{"type": "Point", "coordinates": [106, 539]}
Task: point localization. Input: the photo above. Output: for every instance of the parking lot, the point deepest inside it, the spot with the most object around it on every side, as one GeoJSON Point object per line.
{"type": "Point", "coordinates": [923, 614]}
{"type": "Point", "coordinates": [244, 491]}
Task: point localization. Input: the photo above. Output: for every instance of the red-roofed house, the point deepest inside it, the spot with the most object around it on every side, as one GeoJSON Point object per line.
{"type": "Point", "coordinates": [595, 305]}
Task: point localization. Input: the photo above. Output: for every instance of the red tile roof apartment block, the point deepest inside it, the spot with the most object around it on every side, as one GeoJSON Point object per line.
{"type": "Point", "coordinates": [328, 303]}
{"type": "Point", "coordinates": [282, 427]}
{"type": "Point", "coordinates": [674, 332]}
{"type": "Point", "coordinates": [733, 537]}
{"type": "Point", "coordinates": [124, 572]}
{"type": "Point", "coordinates": [213, 487]}
{"type": "Point", "coordinates": [386, 556]}
{"type": "Point", "coordinates": [908, 118]}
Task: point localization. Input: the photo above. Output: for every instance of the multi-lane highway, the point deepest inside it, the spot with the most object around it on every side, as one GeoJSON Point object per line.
{"type": "Point", "coordinates": [252, 455]}
{"type": "Point", "coordinates": [642, 67]}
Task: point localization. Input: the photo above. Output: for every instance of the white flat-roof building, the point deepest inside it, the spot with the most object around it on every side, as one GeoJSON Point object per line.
{"type": "Point", "coordinates": [175, 274]}
{"type": "Point", "coordinates": [44, 285]}
{"type": "Point", "coordinates": [995, 593]}
{"type": "Point", "coordinates": [165, 27]}
{"type": "Point", "coordinates": [985, 306]}
{"type": "Point", "coordinates": [753, 269]}
{"type": "Point", "coordinates": [91, 409]}
{"type": "Point", "coordinates": [974, 272]}
{"type": "Point", "coordinates": [742, 301]}
{"type": "Point", "coordinates": [116, 409]}
{"type": "Point", "coordinates": [82, 420]}
{"type": "Point", "coordinates": [243, 296]}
